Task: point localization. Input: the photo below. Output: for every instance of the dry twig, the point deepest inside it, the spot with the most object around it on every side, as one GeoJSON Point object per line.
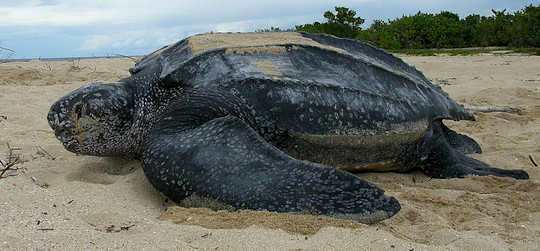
{"type": "Point", "coordinates": [7, 55]}
{"type": "Point", "coordinates": [44, 152]}
{"type": "Point", "coordinates": [39, 183]}
{"type": "Point", "coordinates": [46, 229]}
{"type": "Point", "coordinates": [12, 160]}
{"type": "Point", "coordinates": [7, 49]}
{"type": "Point", "coordinates": [532, 160]}
{"type": "Point", "coordinates": [76, 65]}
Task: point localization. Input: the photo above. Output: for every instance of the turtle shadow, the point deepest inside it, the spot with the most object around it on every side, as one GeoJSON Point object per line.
{"type": "Point", "coordinates": [104, 171]}
{"type": "Point", "coordinates": [122, 172]}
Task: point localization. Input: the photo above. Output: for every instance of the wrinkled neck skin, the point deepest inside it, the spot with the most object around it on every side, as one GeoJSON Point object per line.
{"type": "Point", "coordinates": [150, 102]}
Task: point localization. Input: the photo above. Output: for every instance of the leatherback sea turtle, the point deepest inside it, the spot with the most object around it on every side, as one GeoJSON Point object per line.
{"type": "Point", "coordinates": [260, 120]}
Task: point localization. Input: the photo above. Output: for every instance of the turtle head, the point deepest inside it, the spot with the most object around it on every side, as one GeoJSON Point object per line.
{"type": "Point", "coordinates": [95, 119]}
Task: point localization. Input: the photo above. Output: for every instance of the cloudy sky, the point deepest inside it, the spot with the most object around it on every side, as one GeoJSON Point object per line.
{"type": "Point", "coordinates": [64, 28]}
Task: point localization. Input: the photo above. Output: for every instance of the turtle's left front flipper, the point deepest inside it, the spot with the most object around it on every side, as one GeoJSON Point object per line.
{"type": "Point", "coordinates": [224, 159]}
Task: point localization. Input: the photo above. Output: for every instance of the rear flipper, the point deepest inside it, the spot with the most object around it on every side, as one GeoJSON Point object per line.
{"type": "Point", "coordinates": [440, 160]}
{"type": "Point", "coordinates": [225, 160]}
{"type": "Point", "coordinates": [461, 143]}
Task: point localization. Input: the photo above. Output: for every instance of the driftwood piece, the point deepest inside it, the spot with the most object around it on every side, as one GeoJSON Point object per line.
{"type": "Point", "coordinates": [488, 109]}
{"type": "Point", "coordinates": [128, 57]}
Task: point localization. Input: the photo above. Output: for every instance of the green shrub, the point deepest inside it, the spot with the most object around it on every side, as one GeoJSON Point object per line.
{"type": "Point", "coordinates": [442, 30]}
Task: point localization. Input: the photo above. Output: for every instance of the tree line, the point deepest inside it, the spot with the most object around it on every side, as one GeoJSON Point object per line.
{"type": "Point", "coordinates": [442, 30]}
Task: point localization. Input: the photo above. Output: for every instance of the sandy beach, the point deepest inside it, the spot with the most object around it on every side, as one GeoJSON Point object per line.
{"type": "Point", "coordinates": [57, 200]}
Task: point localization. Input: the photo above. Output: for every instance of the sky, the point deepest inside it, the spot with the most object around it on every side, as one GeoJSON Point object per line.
{"type": "Point", "coordinates": [80, 28]}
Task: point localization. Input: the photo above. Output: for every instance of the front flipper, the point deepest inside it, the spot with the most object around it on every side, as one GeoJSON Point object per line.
{"type": "Point", "coordinates": [439, 159]}
{"type": "Point", "coordinates": [224, 159]}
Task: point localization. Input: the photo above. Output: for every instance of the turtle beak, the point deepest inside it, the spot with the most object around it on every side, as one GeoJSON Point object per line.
{"type": "Point", "coordinates": [63, 126]}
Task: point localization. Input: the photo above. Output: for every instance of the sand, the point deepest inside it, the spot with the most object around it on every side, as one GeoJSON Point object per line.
{"type": "Point", "coordinates": [251, 42]}
{"type": "Point", "coordinates": [59, 200]}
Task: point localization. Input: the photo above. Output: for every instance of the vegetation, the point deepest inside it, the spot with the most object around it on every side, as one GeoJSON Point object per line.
{"type": "Point", "coordinates": [467, 51]}
{"type": "Point", "coordinates": [443, 30]}
{"type": "Point", "coordinates": [271, 29]}
{"type": "Point", "coordinates": [342, 23]}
